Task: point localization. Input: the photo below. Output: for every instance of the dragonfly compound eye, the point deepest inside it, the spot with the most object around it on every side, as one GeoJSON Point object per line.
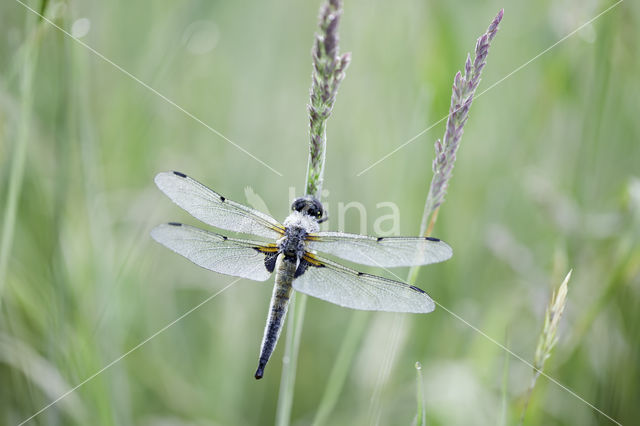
{"type": "Point", "coordinates": [308, 205]}
{"type": "Point", "coordinates": [298, 204]}
{"type": "Point", "coordinates": [317, 209]}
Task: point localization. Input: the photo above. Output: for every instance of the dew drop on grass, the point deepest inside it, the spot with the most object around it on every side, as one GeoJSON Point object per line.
{"type": "Point", "coordinates": [80, 27]}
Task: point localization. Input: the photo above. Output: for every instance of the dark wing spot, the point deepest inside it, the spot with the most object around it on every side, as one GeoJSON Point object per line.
{"type": "Point", "coordinates": [360, 274]}
{"type": "Point", "coordinates": [431, 239]}
{"type": "Point", "coordinates": [224, 238]}
{"type": "Point", "coordinates": [175, 224]}
{"type": "Point", "coordinates": [417, 289]}
{"type": "Point", "coordinates": [304, 265]}
{"type": "Point", "coordinates": [182, 175]}
{"type": "Point", "coordinates": [270, 261]}
{"type": "Point", "coordinates": [270, 257]}
{"type": "Point", "coordinates": [380, 239]}
{"type": "Point", "coordinates": [222, 198]}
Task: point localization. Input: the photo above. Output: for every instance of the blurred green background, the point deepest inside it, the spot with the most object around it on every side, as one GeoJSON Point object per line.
{"type": "Point", "coordinates": [547, 179]}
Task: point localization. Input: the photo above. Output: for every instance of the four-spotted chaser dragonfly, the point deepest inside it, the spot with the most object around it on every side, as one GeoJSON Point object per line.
{"type": "Point", "coordinates": [291, 253]}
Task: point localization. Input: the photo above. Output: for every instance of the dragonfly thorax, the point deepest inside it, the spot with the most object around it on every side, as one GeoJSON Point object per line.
{"type": "Point", "coordinates": [297, 226]}
{"type": "Point", "coordinates": [292, 244]}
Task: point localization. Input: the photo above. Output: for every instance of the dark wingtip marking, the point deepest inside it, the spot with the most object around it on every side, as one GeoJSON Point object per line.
{"type": "Point", "coordinates": [224, 238]}
{"type": "Point", "coordinates": [360, 274]}
{"type": "Point", "coordinates": [182, 175]}
{"type": "Point", "coordinates": [380, 239]}
{"type": "Point", "coordinates": [432, 239]}
{"type": "Point", "coordinates": [175, 224]}
{"type": "Point", "coordinates": [413, 287]}
{"type": "Point", "coordinates": [222, 198]}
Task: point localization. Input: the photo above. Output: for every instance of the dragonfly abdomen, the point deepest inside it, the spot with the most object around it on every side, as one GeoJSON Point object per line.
{"type": "Point", "coordinates": [285, 270]}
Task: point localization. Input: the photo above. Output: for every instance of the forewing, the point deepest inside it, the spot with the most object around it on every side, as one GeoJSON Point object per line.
{"type": "Point", "coordinates": [384, 251]}
{"type": "Point", "coordinates": [240, 258]}
{"type": "Point", "coordinates": [214, 209]}
{"type": "Point", "coordinates": [346, 287]}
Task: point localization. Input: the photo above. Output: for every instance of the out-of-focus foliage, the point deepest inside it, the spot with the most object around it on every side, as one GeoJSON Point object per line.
{"type": "Point", "coordinates": [546, 180]}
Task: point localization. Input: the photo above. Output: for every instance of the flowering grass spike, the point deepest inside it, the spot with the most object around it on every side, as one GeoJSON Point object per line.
{"type": "Point", "coordinates": [549, 336]}
{"type": "Point", "coordinates": [464, 88]}
{"type": "Point", "coordinates": [328, 71]}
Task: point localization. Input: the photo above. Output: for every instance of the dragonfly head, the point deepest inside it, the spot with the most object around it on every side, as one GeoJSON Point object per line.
{"type": "Point", "coordinates": [308, 205]}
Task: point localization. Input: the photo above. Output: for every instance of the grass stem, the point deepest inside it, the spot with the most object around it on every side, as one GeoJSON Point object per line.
{"type": "Point", "coordinates": [464, 87]}
{"type": "Point", "coordinates": [328, 71]}
{"type": "Point", "coordinates": [341, 366]}
{"type": "Point", "coordinates": [290, 360]}
{"type": "Point", "coordinates": [18, 160]}
{"type": "Point", "coordinates": [548, 337]}
{"type": "Point", "coordinates": [421, 419]}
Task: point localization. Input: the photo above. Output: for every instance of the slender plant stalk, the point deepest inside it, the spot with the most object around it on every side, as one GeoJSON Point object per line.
{"type": "Point", "coordinates": [18, 160]}
{"type": "Point", "coordinates": [464, 87]}
{"type": "Point", "coordinates": [341, 366]}
{"type": "Point", "coordinates": [548, 337]}
{"type": "Point", "coordinates": [328, 71]}
{"type": "Point", "coordinates": [290, 360]}
{"type": "Point", "coordinates": [421, 419]}
{"type": "Point", "coordinates": [463, 90]}
{"type": "Point", "coordinates": [504, 412]}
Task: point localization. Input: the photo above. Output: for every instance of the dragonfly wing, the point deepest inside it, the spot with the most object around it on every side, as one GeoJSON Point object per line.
{"type": "Point", "coordinates": [240, 258]}
{"type": "Point", "coordinates": [384, 251]}
{"type": "Point", "coordinates": [214, 209]}
{"type": "Point", "coordinates": [346, 287]}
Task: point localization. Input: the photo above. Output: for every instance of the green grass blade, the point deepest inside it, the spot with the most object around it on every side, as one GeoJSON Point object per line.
{"type": "Point", "coordinates": [19, 152]}
{"type": "Point", "coordinates": [290, 360]}
{"type": "Point", "coordinates": [341, 366]}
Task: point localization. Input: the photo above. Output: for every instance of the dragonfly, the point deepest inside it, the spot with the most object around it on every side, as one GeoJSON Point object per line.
{"type": "Point", "coordinates": [289, 249]}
